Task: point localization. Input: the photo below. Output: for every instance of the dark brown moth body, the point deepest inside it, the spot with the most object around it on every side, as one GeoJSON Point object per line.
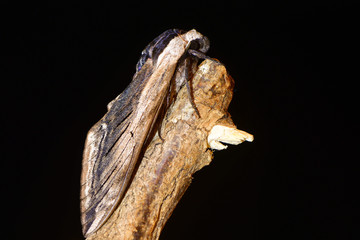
{"type": "Point", "coordinates": [114, 144]}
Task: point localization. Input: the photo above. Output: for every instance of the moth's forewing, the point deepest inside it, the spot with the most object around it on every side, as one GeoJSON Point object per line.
{"type": "Point", "coordinates": [113, 145]}
{"type": "Point", "coordinates": [104, 167]}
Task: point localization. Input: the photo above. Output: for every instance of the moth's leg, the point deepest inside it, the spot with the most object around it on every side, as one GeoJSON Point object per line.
{"type": "Point", "coordinates": [200, 55]}
{"type": "Point", "coordinates": [167, 102]}
{"type": "Point", "coordinates": [162, 113]}
{"type": "Point", "coordinates": [188, 87]}
{"type": "Point", "coordinates": [159, 134]}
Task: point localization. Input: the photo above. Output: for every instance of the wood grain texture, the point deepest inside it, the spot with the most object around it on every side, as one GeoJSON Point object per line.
{"type": "Point", "coordinates": [166, 170]}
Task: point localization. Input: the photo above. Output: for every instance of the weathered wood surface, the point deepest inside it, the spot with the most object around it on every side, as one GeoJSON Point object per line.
{"type": "Point", "coordinates": [166, 170]}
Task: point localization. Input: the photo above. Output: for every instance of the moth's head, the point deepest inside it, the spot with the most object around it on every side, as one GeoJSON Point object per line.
{"type": "Point", "coordinates": [192, 39]}
{"type": "Point", "coordinates": [196, 41]}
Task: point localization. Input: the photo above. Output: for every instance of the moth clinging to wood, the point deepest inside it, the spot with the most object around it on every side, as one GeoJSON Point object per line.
{"type": "Point", "coordinates": [114, 144]}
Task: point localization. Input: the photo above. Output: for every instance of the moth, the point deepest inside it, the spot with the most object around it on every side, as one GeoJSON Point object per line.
{"type": "Point", "coordinates": [114, 144]}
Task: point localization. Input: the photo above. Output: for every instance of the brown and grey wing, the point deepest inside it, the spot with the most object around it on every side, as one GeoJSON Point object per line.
{"type": "Point", "coordinates": [111, 150]}
{"type": "Point", "coordinates": [104, 171]}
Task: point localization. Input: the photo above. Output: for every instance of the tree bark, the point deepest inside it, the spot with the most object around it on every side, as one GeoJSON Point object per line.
{"type": "Point", "coordinates": [166, 170]}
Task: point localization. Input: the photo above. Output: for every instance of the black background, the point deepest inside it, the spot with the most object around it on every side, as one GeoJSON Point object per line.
{"type": "Point", "coordinates": [293, 64]}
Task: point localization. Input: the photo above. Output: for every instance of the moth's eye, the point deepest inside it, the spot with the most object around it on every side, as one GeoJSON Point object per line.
{"type": "Point", "coordinates": [195, 45]}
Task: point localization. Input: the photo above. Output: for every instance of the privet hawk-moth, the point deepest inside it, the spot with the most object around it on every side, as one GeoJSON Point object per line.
{"type": "Point", "coordinates": [115, 143]}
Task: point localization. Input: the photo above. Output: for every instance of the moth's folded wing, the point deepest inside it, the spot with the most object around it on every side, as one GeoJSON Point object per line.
{"type": "Point", "coordinates": [110, 154]}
